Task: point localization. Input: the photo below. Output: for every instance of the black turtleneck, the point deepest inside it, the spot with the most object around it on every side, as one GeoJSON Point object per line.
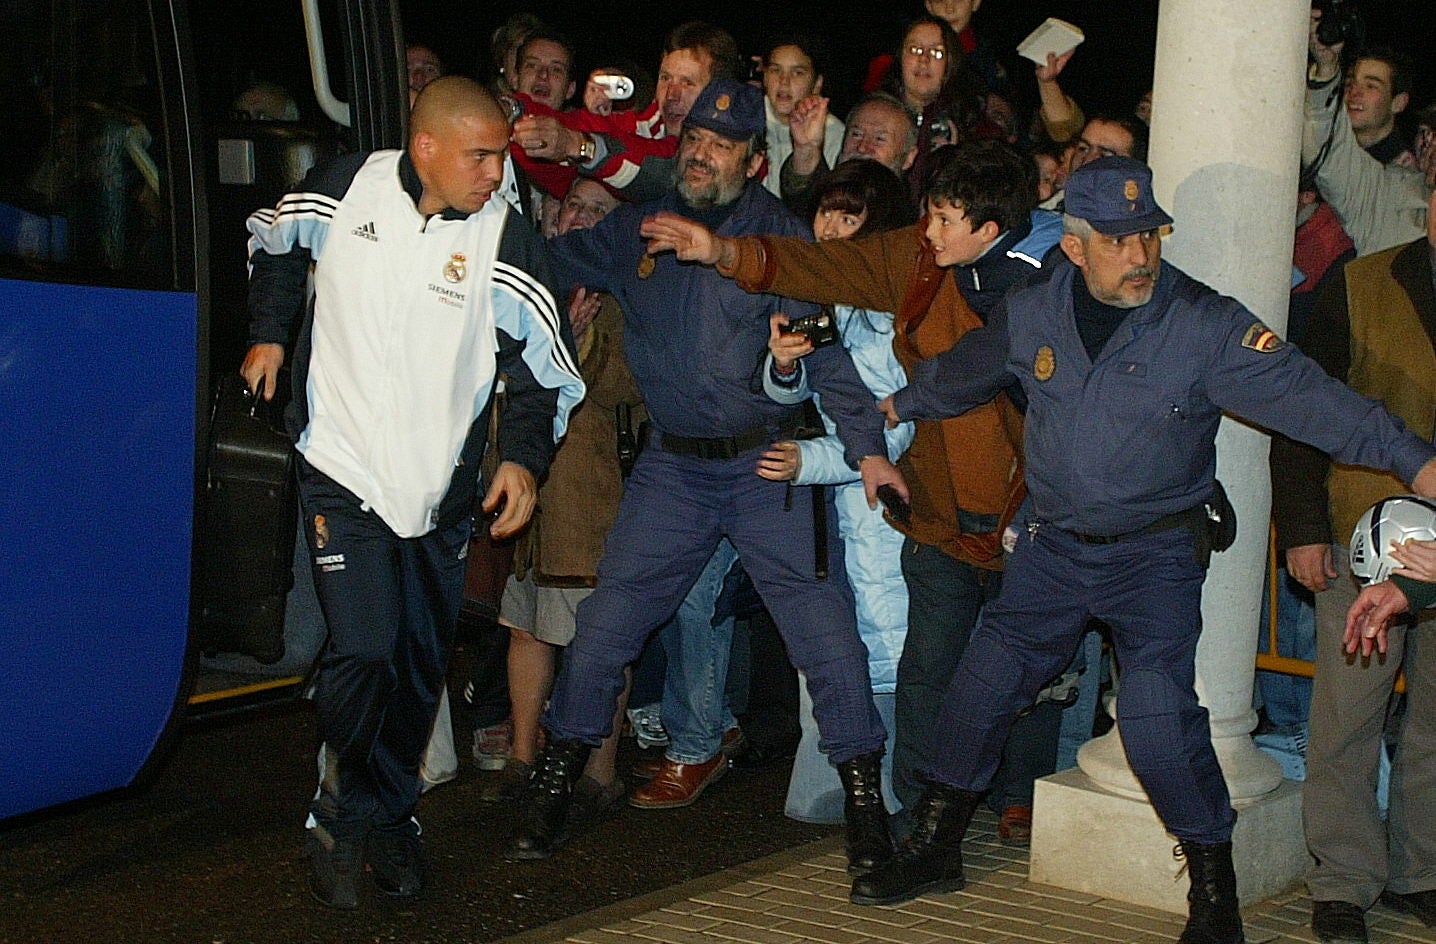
{"type": "Point", "coordinates": [1096, 321]}
{"type": "Point", "coordinates": [1390, 147]}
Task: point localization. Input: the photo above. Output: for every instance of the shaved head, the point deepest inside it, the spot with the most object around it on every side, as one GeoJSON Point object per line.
{"type": "Point", "coordinates": [452, 98]}
{"type": "Point", "coordinates": [458, 139]}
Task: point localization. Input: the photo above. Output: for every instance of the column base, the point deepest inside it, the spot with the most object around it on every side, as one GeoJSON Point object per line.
{"type": "Point", "coordinates": [1091, 840]}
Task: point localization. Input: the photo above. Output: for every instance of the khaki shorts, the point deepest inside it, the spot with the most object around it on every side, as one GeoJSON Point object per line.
{"type": "Point", "coordinates": [546, 613]}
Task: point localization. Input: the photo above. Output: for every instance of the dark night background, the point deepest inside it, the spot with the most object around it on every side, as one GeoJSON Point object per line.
{"type": "Point", "coordinates": [1110, 71]}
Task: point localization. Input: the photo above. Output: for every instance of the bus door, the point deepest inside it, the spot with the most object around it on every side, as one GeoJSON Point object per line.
{"type": "Point", "coordinates": [107, 248]}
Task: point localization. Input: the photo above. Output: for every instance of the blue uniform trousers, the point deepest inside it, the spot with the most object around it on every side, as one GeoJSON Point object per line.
{"type": "Point", "coordinates": [1148, 589]}
{"type": "Point", "coordinates": [674, 510]}
{"type": "Point", "coordinates": [392, 606]}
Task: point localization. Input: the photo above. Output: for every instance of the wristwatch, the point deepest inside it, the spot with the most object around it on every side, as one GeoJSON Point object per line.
{"type": "Point", "coordinates": [586, 149]}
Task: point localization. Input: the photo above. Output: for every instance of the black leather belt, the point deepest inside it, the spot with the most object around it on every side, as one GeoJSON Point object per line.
{"type": "Point", "coordinates": [722, 447]}
{"type": "Point", "coordinates": [1195, 516]}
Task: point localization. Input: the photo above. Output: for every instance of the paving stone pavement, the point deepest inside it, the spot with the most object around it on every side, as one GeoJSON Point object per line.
{"type": "Point", "coordinates": [802, 896]}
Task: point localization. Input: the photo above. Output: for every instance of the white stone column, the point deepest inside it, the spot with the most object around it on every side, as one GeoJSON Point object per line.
{"type": "Point", "coordinates": [1226, 141]}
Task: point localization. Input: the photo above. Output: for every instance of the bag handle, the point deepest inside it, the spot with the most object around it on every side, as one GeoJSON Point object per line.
{"type": "Point", "coordinates": [256, 395]}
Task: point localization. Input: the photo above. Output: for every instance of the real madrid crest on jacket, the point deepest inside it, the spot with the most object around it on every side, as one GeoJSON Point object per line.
{"type": "Point", "coordinates": [355, 216]}
{"type": "Point", "coordinates": [415, 314]}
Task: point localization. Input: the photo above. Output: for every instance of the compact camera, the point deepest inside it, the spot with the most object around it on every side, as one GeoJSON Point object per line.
{"type": "Point", "coordinates": [512, 107]}
{"type": "Point", "coordinates": [1340, 23]}
{"type": "Point", "coordinates": [615, 85]}
{"type": "Point", "coordinates": [818, 327]}
{"type": "Point", "coordinates": [900, 510]}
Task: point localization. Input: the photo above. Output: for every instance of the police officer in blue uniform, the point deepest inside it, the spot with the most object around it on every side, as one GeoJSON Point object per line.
{"type": "Point", "coordinates": [1127, 365]}
{"type": "Point", "coordinates": [696, 343]}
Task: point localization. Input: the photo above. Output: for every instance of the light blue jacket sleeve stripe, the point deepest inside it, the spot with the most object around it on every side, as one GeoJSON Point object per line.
{"type": "Point", "coordinates": [544, 353]}
{"type": "Point", "coordinates": [301, 219]}
{"type": "Point", "coordinates": [528, 291]}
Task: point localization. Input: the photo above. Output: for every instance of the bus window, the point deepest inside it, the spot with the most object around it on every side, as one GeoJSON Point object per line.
{"type": "Point", "coordinates": [82, 186]}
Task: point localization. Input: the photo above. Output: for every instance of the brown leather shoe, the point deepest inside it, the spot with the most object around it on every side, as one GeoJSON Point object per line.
{"type": "Point", "coordinates": [733, 741]}
{"type": "Point", "coordinates": [647, 768]}
{"type": "Point", "coordinates": [678, 785]}
{"type": "Point", "coordinates": [1015, 826]}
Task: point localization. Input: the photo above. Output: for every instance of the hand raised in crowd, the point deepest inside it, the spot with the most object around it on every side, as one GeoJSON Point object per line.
{"type": "Point", "coordinates": [582, 309]}
{"type": "Point", "coordinates": [595, 99]}
{"type": "Point", "coordinates": [1055, 65]}
{"type": "Point", "coordinates": [786, 346]}
{"type": "Point", "coordinates": [1326, 60]}
{"type": "Point", "coordinates": [1417, 559]}
{"type": "Point", "coordinates": [513, 494]}
{"type": "Point", "coordinates": [1370, 617]}
{"type": "Point", "coordinates": [544, 138]}
{"type": "Point", "coordinates": [807, 123]}
{"type": "Point", "coordinates": [689, 240]}
{"type": "Point", "coordinates": [782, 462]}
{"type": "Point", "coordinates": [1311, 566]}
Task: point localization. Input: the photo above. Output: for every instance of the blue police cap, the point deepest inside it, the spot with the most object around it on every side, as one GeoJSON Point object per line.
{"type": "Point", "coordinates": [731, 108]}
{"type": "Point", "coordinates": [1114, 194]}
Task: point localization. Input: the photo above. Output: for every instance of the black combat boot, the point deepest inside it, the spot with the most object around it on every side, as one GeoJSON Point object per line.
{"type": "Point", "coordinates": [931, 860]}
{"type": "Point", "coordinates": [1213, 914]}
{"type": "Point", "coordinates": [870, 842]}
{"type": "Point", "coordinates": [543, 808]}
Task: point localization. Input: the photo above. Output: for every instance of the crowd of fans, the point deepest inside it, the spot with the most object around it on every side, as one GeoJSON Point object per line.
{"type": "Point", "coordinates": [942, 189]}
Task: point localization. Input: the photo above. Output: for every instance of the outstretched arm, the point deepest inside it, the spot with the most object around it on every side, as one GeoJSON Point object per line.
{"type": "Point", "coordinates": [691, 241]}
{"type": "Point", "coordinates": [971, 372]}
{"type": "Point", "coordinates": [1060, 114]}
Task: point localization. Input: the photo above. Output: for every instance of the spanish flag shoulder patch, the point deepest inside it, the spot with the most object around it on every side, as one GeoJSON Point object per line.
{"type": "Point", "coordinates": [1261, 339]}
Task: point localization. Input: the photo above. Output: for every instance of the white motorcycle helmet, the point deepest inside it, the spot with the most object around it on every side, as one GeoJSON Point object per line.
{"type": "Point", "coordinates": [1389, 521]}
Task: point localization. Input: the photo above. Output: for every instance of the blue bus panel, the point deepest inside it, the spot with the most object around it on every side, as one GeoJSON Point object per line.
{"type": "Point", "coordinates": [97, 466]}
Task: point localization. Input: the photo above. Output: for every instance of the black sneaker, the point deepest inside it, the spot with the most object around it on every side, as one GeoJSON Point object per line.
{"type": "Point", "coordinates": [396, 857]}
{"type": "Point", "coordinates": [334, 866]}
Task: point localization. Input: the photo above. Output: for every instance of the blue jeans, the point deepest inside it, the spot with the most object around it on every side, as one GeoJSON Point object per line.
{"type": "Point", "coordinates": [1288, 697]}
{"type": "Point", "coordinates": [698, 641]}
{"type": "Point", "coordinates": [1078, 717]}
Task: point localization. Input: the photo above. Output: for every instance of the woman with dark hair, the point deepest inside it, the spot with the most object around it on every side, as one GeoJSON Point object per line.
{"type": "Point", "coordinates": [857, 198]}
{"type": "Point", "coordinates": [930, 76]}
